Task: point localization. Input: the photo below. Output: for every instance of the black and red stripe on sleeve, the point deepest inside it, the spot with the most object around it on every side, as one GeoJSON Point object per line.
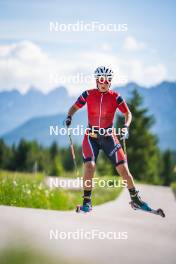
{"type": "Point", "coordinates": [81, 101]}
{"type": "Point", "coordinates": [121, 104]}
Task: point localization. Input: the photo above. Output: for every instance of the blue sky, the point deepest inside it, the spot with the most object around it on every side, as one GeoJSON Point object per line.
{"type": "Point", "coordinates": [30, 54]}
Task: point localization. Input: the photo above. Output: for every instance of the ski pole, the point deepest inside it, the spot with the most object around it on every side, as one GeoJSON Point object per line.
{"type": "Point", "coordinates": [72, 150]}
{"type": "Point", "coordinates": [73, 153]}
{"type": "Point", "coordinates": [124, 148]}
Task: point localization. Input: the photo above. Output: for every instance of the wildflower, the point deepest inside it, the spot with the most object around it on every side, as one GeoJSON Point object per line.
{"type": "Point", "coordinates": [15, 183]}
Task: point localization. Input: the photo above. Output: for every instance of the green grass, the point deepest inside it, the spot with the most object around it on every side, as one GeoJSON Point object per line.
{"type": "Point", "coordinates": [173, 186]}
{"type": "Point", "coordinates": [28, 190]}
{"type": "Point", "coordinates": [21, 255]}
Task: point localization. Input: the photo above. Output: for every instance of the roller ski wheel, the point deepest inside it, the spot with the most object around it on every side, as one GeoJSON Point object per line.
{"type": "Point", "coordinates": [160, 212]}
{"type": "Point", "coordinates": [148, 209]}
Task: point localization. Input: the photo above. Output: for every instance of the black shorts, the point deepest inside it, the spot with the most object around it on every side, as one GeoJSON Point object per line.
{"type": "Point", "coordinates": [109, 144]}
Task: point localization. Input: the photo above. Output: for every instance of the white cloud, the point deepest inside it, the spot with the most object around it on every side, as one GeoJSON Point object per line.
{"type": "Point", "coordinates": [131, 44]}
{"type": "Point", "coordinates": [105, 47]}
{"type": "Point", "coordinates": [126, 70]}
{"type": "Point", "coordinates": [144, 74]}
{"type": "Point", "coordinates": [155, 74]}
{"type": "Point", "coordinates": [25, 64]}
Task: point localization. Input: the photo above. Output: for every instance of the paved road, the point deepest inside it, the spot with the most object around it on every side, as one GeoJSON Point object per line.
{"type": "Point", "coordinates": [151, 239]}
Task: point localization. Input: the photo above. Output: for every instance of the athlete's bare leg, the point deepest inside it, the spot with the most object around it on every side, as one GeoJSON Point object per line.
{"type": "Point", "coordinates": [124, 172]}
{"type": "Point", "coordinates": [89, 169]}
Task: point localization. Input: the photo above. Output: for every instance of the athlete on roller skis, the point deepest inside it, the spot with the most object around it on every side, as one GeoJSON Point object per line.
{"type": "Point", "coordinates": [102, 104]}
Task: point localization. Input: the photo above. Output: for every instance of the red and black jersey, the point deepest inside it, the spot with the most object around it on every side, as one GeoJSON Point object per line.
{"type": "Point", "coordinates": [101, 107]}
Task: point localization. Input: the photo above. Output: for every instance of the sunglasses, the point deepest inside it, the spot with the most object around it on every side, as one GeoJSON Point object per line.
{"type": "Point", "coordinates": [103, 80]}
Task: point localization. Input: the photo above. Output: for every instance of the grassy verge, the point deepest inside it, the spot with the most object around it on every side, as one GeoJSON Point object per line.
{"type": "Point", "coordinates": [28, 190]}
{"type": "Point", "coordinates": [173, 186]}
{"type": "Point", "coordinates": [21, 255]}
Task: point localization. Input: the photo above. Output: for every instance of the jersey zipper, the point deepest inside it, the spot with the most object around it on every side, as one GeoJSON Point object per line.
{"type": "Point", "coordinates": [100, 109]}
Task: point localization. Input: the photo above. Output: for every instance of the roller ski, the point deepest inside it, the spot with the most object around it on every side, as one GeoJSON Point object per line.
{"type": "Point", "coordinates": [137, 204]}
{"type": "Point", "coordinates": [86, 207]}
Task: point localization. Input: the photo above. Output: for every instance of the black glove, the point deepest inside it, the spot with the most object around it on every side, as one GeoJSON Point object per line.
{"type": "Point", "coordinates": [68, 121]}
{"type": "Point", "coordinates": [125, 132]}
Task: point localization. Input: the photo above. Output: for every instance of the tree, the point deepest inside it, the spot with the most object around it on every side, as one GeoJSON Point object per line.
{"type": "Point", "coordinates": [54, 150]}
{"type": "Point", "coordinates": [57, 166]}
{"type": "Point", "coordinates": [104, 166]}
{"type": "Point", "coordinates": [67, 159]}
{"type": "Point", "coordinates": [143, 153]}
{"type": "Point", "coordinates": [21, 155]}
{"type": "Point", "coordinates": [5, 155]}
{"type": "Point", "coordinates": [168, 172]}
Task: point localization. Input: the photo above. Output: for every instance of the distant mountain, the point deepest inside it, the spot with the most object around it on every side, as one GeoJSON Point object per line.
{"type": "Point", "coordinates": [38, 128]}
{"type": "Point", "coordinates": [16, 108]}
{"type": "Point", "coordinates": [160, 101]}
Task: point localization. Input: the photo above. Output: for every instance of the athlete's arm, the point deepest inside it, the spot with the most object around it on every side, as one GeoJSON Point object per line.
{"type": "Point", "coordinates": [80, 102]}
{"type": "Point", "coordinates": [128, 117]}
{"type": "Point", "coordinates": [123, 107]}
{"type": "Point", "coordinates": [72, 110]}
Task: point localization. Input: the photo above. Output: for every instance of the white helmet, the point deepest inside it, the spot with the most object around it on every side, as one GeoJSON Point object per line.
{"type": "Point", "coordinates": [103, 71]}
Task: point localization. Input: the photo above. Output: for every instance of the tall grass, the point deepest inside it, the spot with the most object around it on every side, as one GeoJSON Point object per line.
{"type": "Point", "coordinates": [29, 190]}
{"type": "Point", "coordinates": [25, 255]}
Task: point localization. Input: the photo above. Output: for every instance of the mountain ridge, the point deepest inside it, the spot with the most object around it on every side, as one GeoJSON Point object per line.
{"type": "Point", "coordinates": [160, 101]}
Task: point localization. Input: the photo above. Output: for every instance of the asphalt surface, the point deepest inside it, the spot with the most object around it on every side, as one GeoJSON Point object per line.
{"type": "Point", "coordinates": [88, 238]}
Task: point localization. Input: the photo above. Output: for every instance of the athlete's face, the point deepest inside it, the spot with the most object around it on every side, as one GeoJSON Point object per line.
{"type": "Point", "coordinates": [103, 84]}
